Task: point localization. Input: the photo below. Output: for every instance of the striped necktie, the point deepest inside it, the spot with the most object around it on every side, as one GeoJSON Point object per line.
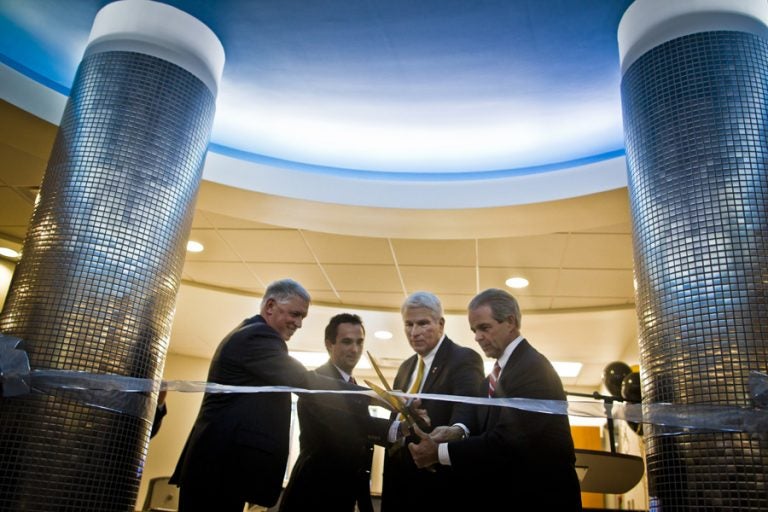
{"type": "Point", "coordinates": [493, 377]}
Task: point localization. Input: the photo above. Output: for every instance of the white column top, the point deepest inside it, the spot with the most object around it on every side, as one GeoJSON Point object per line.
{"type": "Point", "coordinates": [649, 23]}
{"type": "Point", "coordinates": [157, 29]}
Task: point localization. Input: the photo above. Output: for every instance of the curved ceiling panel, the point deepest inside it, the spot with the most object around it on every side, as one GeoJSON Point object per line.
{"type": "Point", "coordinates": [426, 105]}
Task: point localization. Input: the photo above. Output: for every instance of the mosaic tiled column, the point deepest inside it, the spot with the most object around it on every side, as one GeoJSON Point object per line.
{"type": "Point", "coordinates": [695, 100]}
{"type": "Point", "coordinates": [96, 287]}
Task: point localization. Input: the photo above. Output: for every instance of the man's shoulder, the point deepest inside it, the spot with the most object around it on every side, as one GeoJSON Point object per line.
{"type": "Point", "coordinates": [255, 326]}
{"type": "Point", "coordinates": [457, 350]}
{"type": "Point", "coordinates": [328, 370]}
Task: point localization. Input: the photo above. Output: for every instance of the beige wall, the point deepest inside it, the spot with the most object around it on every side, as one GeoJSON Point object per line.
{"type": "Point", "coordinates": [6, 271]}
{"type": "Point", "coordinates": [165, 447]}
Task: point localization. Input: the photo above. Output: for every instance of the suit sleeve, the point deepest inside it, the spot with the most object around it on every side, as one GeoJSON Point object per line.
{"type": "Point", "coordinates": [518, 435]}
{"type": "Point", "coordinates": [467, 378]}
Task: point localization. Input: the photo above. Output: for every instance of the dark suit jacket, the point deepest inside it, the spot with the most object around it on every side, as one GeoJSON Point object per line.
{"type": "Point", "coordinates": [455, 370]}
{"type": "Point", "coordinates": [520, 453]}
{"type": "Point", "coordinates": [239, 442]}
{"type": "Point", "coordinates": [333, 469]}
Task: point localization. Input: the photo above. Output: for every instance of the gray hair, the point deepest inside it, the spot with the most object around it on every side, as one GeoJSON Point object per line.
{"type": "Point", "coordinates": [284, 290]}
{"type": "Point", "coordinates": [423, 300]}
{"type": "Point", "coordinates": [503, 305]}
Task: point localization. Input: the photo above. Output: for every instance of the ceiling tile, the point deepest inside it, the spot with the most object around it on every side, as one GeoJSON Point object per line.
{"type": "Point", "coordinates": [388, 300]}
{"type": "Point", "coordinates": [364, 278]}
{"type": "Point", "coordinates": [349, 249]}
{"type": "Point", "coordinates": [325, 297]}
{"type": "Point", "coordinates": [455, 302]}
{"type": "Point", "coordinates": [459, 280]}
{"type": "Point", "coordinates": [435, 252]}
{"type": "Point", "coordinates": [604, 250]}
{"type": "Point", "coordinates": [596, 283]}
{"type": "Point", "coordinates": [225, 222]}
{"type": "Point", "coordinates": [542, 281]}
{"type": "Point", "coordinates": [268, 245]}
{"type": "Point", "coordinates": [215, 248]}
{"type": "Point", "coordinates": [223, 274]}
{"type": "Point", "coordinates": [20, 169]}
{"type": "Point", "coordinates": [587, 302]}
{"type": "Point", "coordinates": [533, 303]}
{"type": "Point", "coordinates": [15, 211]}
{"type": "Point", "coordinates": [26, 132]}
{"type": "Point", "coordinates": [308, 274]}
{"type": "Point", "coordinates": [625, 228]}
{"type": "Point", "coordinates": [529, 251]}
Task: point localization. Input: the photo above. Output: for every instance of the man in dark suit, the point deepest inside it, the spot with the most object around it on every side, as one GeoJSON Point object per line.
{"type": "Point", "coordinates": [333, 469]}
{"type": "Point", "coordinates": [447, 368]}
{"type": "Point", "coordinates": [519, 452]}
{"type": "Point", "coordinates": [237, 450]}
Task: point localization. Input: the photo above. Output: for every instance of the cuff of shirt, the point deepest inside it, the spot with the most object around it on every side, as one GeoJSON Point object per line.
{"type": "Point", "coordinates": [394, 432]}
{"type": "Point", "coordinates": [442, 454]}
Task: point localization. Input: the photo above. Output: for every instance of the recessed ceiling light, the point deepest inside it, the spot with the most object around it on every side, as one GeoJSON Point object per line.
{"type": "Point", "coordinates": [383, 335]}
{"type": "Point", "coordinates": [8, 252]}
{"type": "Point", "coordinates": [517, 282]}
{"type": "Point", "coordinates": [193, 246]}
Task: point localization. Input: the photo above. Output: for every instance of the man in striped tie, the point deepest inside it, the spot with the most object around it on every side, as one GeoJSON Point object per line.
{"type": "Point", "coordinates": [511, 449]}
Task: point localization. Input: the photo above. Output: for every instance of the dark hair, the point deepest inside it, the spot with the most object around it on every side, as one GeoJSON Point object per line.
{"type": "Point", "coordinates": [342, 318]}
{"type": "Point", "coordinates": [502, 303]}
{"type": "Point", "coordinates": [284, 290]}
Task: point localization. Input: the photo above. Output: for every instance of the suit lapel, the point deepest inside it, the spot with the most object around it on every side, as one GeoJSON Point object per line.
{"type": "Point", "coordinates": [329, 370]}
{"type": "Point", "coordinates": [511, 371]}
{"type": "Point", "coordinates": [508, 375]}
{"type": "Point", "coordinates": [438, 364]}
{"type": "Point", "coordinates": [404, 375]}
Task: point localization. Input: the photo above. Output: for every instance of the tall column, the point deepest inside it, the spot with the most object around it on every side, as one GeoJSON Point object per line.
{"type": "Point", "coordinates": [95, 289]}
{"type": "Point", "coordinates": [695, 102]}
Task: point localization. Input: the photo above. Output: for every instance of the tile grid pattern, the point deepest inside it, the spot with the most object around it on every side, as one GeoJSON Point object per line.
{"type": "Point", "coordinates": [96, 288]}
{"type": "Point", "coordinates": [695, 114]}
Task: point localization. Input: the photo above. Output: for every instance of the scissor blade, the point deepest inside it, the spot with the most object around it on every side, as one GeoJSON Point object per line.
{"type": "Point", "coordinates": [376, 367]}
{"type": "Point", "coordinates": [393, 401]}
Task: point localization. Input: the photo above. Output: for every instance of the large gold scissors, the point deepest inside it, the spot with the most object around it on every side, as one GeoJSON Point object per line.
{"type": "Point", "coordinates": [393, 401]}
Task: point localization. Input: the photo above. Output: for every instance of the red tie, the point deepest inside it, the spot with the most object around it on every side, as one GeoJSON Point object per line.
{"type": "Point", "coordinates": [492, 378]}
{"type": "Point", "coordinates": [352, 380]}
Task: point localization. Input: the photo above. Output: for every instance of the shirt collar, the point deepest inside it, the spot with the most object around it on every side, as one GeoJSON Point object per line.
{"type": "Point", "coordinates": [508, 351]}
{"type": "Point", "coordinates": [344, 375]}
{"type": "Point", "coordinates": [431, 355]}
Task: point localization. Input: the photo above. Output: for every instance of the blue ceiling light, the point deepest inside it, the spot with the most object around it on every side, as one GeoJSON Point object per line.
{"type": "Point", "coordinates": [397, 91]}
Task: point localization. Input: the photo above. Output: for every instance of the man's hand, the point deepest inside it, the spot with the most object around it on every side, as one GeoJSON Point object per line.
{"type": "Point", "coordinates": [445, 433]}
{"type": "Point", "coordinates": [420, 416]}
{"type": "Point", "coordinates": [425, 451]}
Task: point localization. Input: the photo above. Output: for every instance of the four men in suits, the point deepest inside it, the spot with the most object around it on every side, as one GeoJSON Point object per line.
{"type": "Point", "coordinates": [238, 447]}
